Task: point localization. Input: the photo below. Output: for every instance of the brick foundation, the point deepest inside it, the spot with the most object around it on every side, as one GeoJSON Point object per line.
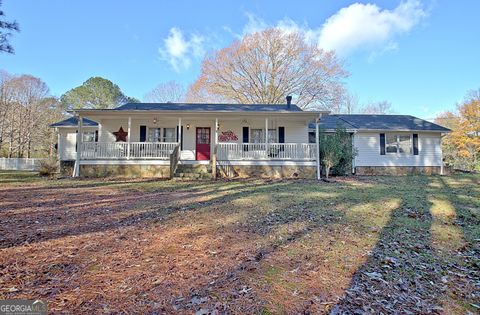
{"type": "Point", "coordinates": [158, 171]}
{"type": "Point", "coordinates": [267, 171]}
{"type": "Point", "coordinates": [66, 167]}
{"type": "Point", "coordinates": [397, 170]}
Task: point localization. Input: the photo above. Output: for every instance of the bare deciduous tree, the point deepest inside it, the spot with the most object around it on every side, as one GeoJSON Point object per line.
{"type": "Point", "coordinates": [350, 104]}
{"type": "Point", "coordinates": [26, 110]}
{"type": "Point", "coordinates": [266, 66]}
{"type": "Point", "coordinates": [170, 91]}
{"type": "Point", "coordinates": [383, 107]}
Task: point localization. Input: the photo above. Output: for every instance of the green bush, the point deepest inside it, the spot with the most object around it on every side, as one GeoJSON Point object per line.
{"type": "Point", "coordinates": [48, 167]}
{"type": "Point", "coordinates": [336, 151]}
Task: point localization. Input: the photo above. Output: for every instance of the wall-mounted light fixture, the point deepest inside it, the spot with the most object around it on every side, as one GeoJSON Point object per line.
{"type": "Point", "coordinates": [188, 126]}
{"type": "Point", "coordinates": [155, 120]}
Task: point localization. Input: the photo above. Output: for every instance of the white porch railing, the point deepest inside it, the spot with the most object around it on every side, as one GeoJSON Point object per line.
{"type": "Point", "coordinates": [263, 151]}
{"type": "Point", "coordinates": [120, 150]}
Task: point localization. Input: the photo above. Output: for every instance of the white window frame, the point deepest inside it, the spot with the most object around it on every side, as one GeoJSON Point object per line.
{"type": "Point", "coordinates": [261, 138]}
{"type": "Point", "coordinates": [162, 134]}
{"type": "Point", "coordinates": [397, 143]}
{"type": "Point", "coordinates": [88, 134]}
{"type": "Point", "coordinates": [272, 131]}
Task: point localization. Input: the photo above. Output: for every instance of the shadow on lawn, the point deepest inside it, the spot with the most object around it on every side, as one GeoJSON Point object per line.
{"type": "Point", "coordinates": [82, 212]}
{"type": "Point", "coordinates": [403, 272]}
{"type": "Point", "coordinates": [410, 269]}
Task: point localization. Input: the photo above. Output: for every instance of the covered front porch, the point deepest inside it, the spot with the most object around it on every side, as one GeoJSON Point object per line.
{"type": "Point", "coordinates": [168, 139]}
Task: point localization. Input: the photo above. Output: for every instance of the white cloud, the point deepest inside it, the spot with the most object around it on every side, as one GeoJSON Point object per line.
{"type": "Point", "coordinates": [179, 51]}
{"type": "Point", "coordinates": [356, 27]}
{"type": "Point", "coordinates": [366, 26]}
{"type": "Point", "coordinates": [254, 24]}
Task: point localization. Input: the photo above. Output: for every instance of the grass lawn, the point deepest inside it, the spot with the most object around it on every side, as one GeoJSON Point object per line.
{"type": "Point", "coordinates": [366, 245]}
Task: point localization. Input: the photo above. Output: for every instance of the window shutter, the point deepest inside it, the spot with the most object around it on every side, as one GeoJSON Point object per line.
{"type": "Point", "coordinates": [143, 133]}
{"type": "Point", "coordinates": [382, 144]}
{"type": "Point", "coordinates": [415, 144]}
{"type": "Point", "coordinates": [96, 135]}
{"type": "Point", "coordinates": [245, 134]}
{"type": "Point", "coordinates": [281, 134]}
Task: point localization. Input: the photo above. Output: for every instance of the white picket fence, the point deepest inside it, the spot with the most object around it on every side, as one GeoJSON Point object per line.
{"type": "Point", "coordinates": [20, 164]}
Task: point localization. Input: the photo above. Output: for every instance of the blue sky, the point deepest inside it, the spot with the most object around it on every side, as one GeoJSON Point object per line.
{"type": "Point", "coordinates": [422, 56]}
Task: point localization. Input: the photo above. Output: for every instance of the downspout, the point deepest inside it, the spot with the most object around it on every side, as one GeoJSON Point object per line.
{"type": "Point", "coordinates": [441, 154]}
{"type": "Point", "coordinates": [353, 148]}
{"type": "Point", "coordinates": [317, 142]}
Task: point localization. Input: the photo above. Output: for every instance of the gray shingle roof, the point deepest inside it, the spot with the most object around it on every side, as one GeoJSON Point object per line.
{"type": "Point", "coordinates": [379, 122]}
{"type": "Point", "coordinates": [73, 121]}
{"type": "Point", "coordinates": [199, 107]}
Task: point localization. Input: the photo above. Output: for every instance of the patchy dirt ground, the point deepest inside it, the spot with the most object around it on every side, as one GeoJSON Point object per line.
{"type": "Point", "coordinates": [361, 245]}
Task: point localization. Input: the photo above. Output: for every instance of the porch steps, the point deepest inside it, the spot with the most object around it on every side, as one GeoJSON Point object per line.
{"type": "Point", "coordinates": [193, 171]}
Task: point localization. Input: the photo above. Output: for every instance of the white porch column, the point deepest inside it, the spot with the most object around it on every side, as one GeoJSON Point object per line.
{"type": "Point", "coordinates": [59, 146]}
{"type": "Point", "coordinates": [129, 136]}
{"type": "Point", "coordinates": [266, 129]}
{"type": "Point", "coordinates": [99, 132]}
{"type": "Point", "coordinates": [179, 130]}
{"type": "Point", "coordinates": [317, 146]}
{"type": "Point", "coordinates": [76, 169]}
{"type": "Point", "coordinates": [216, 132]}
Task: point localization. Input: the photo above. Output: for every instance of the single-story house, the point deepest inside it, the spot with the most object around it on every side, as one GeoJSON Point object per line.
{"type": "Point", "coordinates": [230, 140]}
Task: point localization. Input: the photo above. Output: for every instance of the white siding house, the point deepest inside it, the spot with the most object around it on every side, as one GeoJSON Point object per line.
{"type": "Point", "coordinates": [143, 139]}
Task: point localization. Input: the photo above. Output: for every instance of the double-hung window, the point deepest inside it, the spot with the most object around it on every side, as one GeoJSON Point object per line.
{"type": "Point", "coordinates": [88, 136]}
{"type": "Point", "coordinates": [272, 136]}
{"type": "Point", "coordinates": [161, 135]}
{"type": "Point", "coordinates": [169, 135]}
{"type": "Point", "coordinates": [398, 143]}
{"type": "Point", "coordinates": [258, 136]}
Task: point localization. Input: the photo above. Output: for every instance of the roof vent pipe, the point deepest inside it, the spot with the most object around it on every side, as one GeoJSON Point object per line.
{"type": "Point", "coordinates": [289, 101]}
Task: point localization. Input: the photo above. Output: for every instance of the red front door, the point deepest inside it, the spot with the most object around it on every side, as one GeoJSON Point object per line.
{"type": "Point", "coordinates": [203, 143]}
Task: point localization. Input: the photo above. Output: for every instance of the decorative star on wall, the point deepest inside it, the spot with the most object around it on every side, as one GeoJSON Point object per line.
{"type": "Point", "coordinates": [120, 135]}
